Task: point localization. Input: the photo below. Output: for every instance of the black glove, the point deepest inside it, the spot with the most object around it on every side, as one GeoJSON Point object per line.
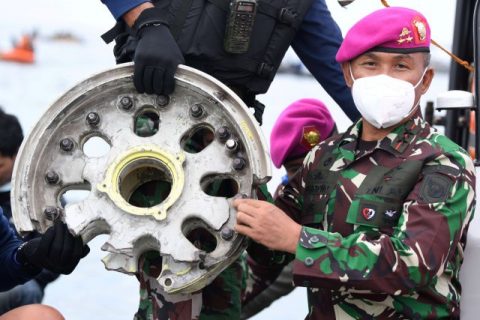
{"type": "Point", "coordinates": [56, 250]}
{"type": "Point", "coordinates": [157, 54]}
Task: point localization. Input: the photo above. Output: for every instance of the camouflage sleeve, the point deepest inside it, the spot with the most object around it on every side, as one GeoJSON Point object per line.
{"type": "Point", "coordinates": [433, 219]}
{"type": "Point", "coordinates": [290, 197]}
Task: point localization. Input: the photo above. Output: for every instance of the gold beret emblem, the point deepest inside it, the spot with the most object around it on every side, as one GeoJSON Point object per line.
{"type": "Point", "coordinates": [404, 36]}
{"type": "Point", "coordinates": [311, 137]}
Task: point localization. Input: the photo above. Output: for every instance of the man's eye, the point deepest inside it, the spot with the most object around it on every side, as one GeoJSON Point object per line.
{"type": "Point", "coordinates": [369, 63]}
{"type": "Point", "coordinates": [402, 66]}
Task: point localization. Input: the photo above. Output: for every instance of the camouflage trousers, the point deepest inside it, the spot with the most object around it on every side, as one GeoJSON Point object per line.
{"type": "Point", "coordinates": [219, 300]}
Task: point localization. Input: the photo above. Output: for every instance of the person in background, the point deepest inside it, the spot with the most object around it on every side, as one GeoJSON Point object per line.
{"type": "Point", "coordinates": [20, 261]}
{"type": "Point", "coordinates": [31, 292]}
{"type": "Point", "coordinates": [377, 217]}
{"type": "Point", "coordinates": [159, 35]}
{"type": "Point", "coordinates": [301, 126]}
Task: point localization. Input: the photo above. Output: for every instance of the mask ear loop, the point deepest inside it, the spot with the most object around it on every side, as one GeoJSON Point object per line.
{"type": "Point", "coordinates": [421, 78]}
{"type": "Point", "coordinates": [415, 86]}
{"type": "Point", "coordinates": [351, 73]}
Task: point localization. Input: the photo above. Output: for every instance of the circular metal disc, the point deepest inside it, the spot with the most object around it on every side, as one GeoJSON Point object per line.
{"type": "Point", "coordinates": [201, 142]}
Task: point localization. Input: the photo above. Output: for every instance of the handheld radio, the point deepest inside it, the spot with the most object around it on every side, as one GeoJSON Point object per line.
{"type": "Point", "coordinates": [239, 25]}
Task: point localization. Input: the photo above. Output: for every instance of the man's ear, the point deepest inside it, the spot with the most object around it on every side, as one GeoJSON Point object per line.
{"type": "Point", "coordinates": [346, 74]}
{"type": "Point", "coordinates": [427, 80]}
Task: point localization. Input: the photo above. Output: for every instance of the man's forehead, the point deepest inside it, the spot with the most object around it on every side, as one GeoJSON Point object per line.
{"type": "Point", "coordinates": [377, 55]}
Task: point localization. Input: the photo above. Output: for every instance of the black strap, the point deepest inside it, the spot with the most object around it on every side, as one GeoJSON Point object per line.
{"type": "Point", "coordinates": [279, 13]}
{"type": "Point", "coordinates": [111, 34]}
{"type": "Point", "coordinates": [222, 4]}
{"type": "Point", "coordinates": [181, 14]}
{"type": "Point", "coordinates": [258, 108]}
{"type": "Point", "coordinates": [148, 17]}
{"type": "Point", "coordinates": [261, 69]}
{"type": "Point", "coordinates": [248, 98]}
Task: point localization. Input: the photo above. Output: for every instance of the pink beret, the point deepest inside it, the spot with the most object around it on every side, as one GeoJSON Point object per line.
{"type": "Point", "coordinates": [391, 29]}
{"type": "Point", "coordinates": [300, 127]}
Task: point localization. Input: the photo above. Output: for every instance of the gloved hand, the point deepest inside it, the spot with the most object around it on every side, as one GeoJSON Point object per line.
{"type": "Point", "coordinates": [56, 250]}
{"type": "Point", "coordinates": [157, 55]}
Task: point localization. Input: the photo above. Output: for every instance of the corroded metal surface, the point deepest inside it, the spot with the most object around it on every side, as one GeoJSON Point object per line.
{"type": "Point", "coordinates": [52, 160]}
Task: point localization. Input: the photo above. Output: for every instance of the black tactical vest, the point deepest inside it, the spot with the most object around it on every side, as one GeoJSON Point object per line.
{"type": "Point", "coordinates": [199, 28]}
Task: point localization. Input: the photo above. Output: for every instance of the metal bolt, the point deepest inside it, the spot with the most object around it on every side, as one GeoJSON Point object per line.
{"type": "Point", "coordinates": [162, 101]}
{"type": "Point", "coordinates": [51, 213]}
{"type": "Point", "coordinates": [93, 118]}
{"type": "Point", "coordinates": [126, 103]}
{"type": "Point", "coordinates": [308, 261]}
{"type": "Point", "coordinates": [239, 164]}
{"type": "Point", "coordinates": [223, 133]}
{"type": "Point", "coordinates": [51, 177]}
{"type": "Point", "coordinates": [231, 144]}
{"type": "Point", "coordinates": [196, 110]}
{"type": "Point", "coordinates": [227, 234]}
{"type": "Point", "coordinates": [66, 144]}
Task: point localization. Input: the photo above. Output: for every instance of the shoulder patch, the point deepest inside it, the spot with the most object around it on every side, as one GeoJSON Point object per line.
{"type": "Point", "coordinates": [435, 188]}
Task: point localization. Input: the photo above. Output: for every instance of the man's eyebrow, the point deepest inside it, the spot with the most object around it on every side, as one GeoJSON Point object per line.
{"type": "Point", "coordinates": [403, 56]}
{"type": "Point", "coordinates": [369, 55]}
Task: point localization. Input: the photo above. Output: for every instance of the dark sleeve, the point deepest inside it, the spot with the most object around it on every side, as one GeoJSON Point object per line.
{"type": "Point", "coordinates": [11, 273]}
{"type": "Point", "coordinates": [45, 277]}
{"type": "Point", "coordinates": [316, 44]}
{"type": "Point", "coordinates": [119, 7]}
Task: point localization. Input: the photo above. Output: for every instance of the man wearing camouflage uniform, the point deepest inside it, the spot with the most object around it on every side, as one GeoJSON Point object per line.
{"type": "Point", "coordinates": [377, 217]}
{"type": "Point", "coordinates": [300, 127]}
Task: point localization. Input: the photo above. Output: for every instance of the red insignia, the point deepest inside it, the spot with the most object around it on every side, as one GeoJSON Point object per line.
{"type": "Point", "coordinates": [419, 27]}
{"type": "Point", "coordinates": [368, 213]}
{"type": "Point", "coordinates": [310, 137]}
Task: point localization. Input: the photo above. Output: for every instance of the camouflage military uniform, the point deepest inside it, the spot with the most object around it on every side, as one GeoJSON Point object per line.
{"type": "Point", "coordinates": [384, 229]}
{"type": "Point", "coordinates": [219, 300]}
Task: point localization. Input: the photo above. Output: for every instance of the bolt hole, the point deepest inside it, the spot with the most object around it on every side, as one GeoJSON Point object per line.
{"type": "Point", "coordinates": [219, 185]}
{"type": "Point", "coordinates": [168, 282]}
{"type": "Point", "coordinates": [95, 147]}
{"type": "Point", "coordinates": [150, 262]}
{"type": "Point", "coordinates": [74, 194]}
{"type": "Point", "coordinates": [145, 183]}
{"type": "Point", "coordinates": [197, 138]}
{"type": "Point", "coordinates": [197, 232]}
{"type": "Point", "coordinates": [146, 123]}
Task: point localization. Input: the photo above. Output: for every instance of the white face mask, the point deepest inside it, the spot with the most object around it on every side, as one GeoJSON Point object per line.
{"type": "Point", "coordinates": [384, 101]}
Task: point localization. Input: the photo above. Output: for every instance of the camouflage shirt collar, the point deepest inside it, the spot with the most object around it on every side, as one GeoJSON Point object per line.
{"type": "Point", "coordinates": [396, 142]}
